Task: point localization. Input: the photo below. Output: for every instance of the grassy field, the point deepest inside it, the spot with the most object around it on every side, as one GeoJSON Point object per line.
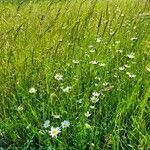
{"type": "Point", "coordinates": [75, 75]}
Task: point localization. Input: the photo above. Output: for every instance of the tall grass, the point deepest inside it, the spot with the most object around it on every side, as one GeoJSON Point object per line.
{"type": "Point", "coordinates": [91, 46]}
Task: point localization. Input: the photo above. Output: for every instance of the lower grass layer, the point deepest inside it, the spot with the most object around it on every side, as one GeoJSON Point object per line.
{"type": "Point", "coordinates": [86, 62]}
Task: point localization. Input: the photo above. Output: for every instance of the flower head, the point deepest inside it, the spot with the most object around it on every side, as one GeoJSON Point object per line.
{"type": "Point", "coordinates": [58, 76]}
{"type": "Point", "coordinates": [32, 90]}
{"type": "Point", "coordinates": [54, 132]}
{"type": "Point", "coordinates": [94, 99]}
{"type": "Point", "coordinates": [67, 89]}
{"type": "Point", "coordinates": [75, 61]}
{"type": "Point", "coordinates": [65, 124]}
{"type": "Point", "coordinates": [46, 124]}
{"type": "Point", "coordinates": [131, 55]}
{"type": "Point", "coordinates": [98, 40]}
{"type": "Point", "coordinates": [131, 75]}
{"type": "Point", "coordinates": [94, 62]}
{"type": "Point", "coordinates": [96, 94]}
{"type": "Point", "coordinates": [121, 68]}
{"type": "Point", "coordinates": [87, 114]}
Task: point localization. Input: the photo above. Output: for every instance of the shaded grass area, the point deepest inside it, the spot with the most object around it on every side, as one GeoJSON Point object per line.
{"type": "Point", "coordinates": [96, 46]}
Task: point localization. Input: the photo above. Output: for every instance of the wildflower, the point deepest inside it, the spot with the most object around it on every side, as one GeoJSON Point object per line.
{"type": "Point", "coordinates": [102, 64]}
{"type": "Point", "coordinates": [105, 83]}
{"type": "Point", "coordinates": [94, 62]}
{"type": "Point", "coordinates": [98, 40]}
{"type": "Point", "coordinates": [121, 68]}
{"type": "Point", "coordinates": [46, 124]}
{"type": "Point", "coordinates": [131, 55]}
{"type": "Point", "coordinates": [65, 124]}
{"type": "Point", "coordinates": [119, 51]}
{"type": "Point", "coordinates": [127, 66]}
{"type": "Point", "coordinates": [92, 50]}
{"type": "Point", "coordinates": [92, 107]}
{"type": "Point", "coordinates": [76, 61]}
{"type": "Point", "coordinates": [67, 89]}
{"type": "Point", "coordinates": [94, 99]}
{"type": "Point", "coordinates": [96, 94]}
{"type": "Point", "coordinates": [117, 42]}
{"type": "Point", "coordinates": [130, 75]}
{"type": "Point", "coordinates": [20, 108]}
{"type": "Point", "coordinates": [116, 75]}
{"type": "Point", "coordinates": [97, 78]}
{"type": "Point", "coordinates": [87, 114]}
{"type": "Point", "coordinates": [58, 76]}
{"type": "Point", "coordinates": [54, 132]}
{"type": "Point", "coordinates": [111, 33]}
{"type": "Point", "coordinates": [79, 101]}
{"type": "Point", "coordinates": [32, 90]}
{"type": "Point", "coordinates": [148, 69]}
{"type": "Point", "coordinates": [90, 46]}
{"type": "Point", "coordinates": [134, 38]}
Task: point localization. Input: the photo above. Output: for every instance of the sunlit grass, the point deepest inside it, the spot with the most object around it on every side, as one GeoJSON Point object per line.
{"type": "Point", "coordinates": [75, 75]}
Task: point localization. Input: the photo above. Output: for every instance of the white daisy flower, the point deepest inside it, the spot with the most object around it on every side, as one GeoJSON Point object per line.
{"type": "Point", "coordinates": [46, 124]}
{"type": "Point", "coordinates": [102, 64]}
{"type": "Point", "coordinates": [67, 89]}
{"type": "Point", "coordinates": [94, 62]}
{"type": "Point", "coordinates": [32, 90]}
{"type": "Point", "coordinates": [92, 107]}
{"type": "Point", "coordinates": [54, 131]}
{"type": "Point", "coordinates": [65, 124]}
{"type": "Point", "coordinates": [131, 55]}
{"type": "Point", "coordinates": [105, 84]}
{"type": "Point", "coordinates": [134, 38]}
{"type": "Point", "coordinates": [119, 51]}
{"type": "Point", "coordinates": [91, 46]}
{"type": "Point", "coordinates": [58, 76]}
{"type": "Point", "coordinates": [20, 108]}
{"type": "Point", "coordinates": [87, 114]}
{"type": "Point", "coordinates": [96, 94]}
{"type": "Point", "coordinates": [94, 99]}
{"type": "Point", "coordinates": [92, 51]}
{"type": "Point", "coordinates": [76, 61]}
{"type": "Point", "coordinates": [98, 40]}
{"type": "Point", "coordinates": [121, 68]}
{"type": "Point", "coordinates": [127, 66]}
{"type": "Point", "coordinates": [117, 42]}
{"type": "Point", "coordinates": [79, 101]}
{"type": "Point", "coordinates": [130, 75]}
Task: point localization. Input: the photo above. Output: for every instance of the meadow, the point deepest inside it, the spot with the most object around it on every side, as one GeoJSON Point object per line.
{"type": "Point", "coordinates": [75, 75]}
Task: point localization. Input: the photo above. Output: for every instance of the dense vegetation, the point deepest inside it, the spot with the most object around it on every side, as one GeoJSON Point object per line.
{"type": "Point", "coordinates": [75, 75]}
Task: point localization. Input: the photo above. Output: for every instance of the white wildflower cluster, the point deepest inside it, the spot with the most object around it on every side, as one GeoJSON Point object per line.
{"type": "Point", "coordinates": [131, 75]}
{"type": "Point", "coordinates": [95, 97]}
{"type": "Point", "coordinates": [76, 61]}
{"type": "Point", "coordinates": [131, 56]}
{"type": "Point", "coordinates": [87, 114]}
{"type": "Point", "coordinates": [32, 90]}
{"type": "Point", "coordinates": [54, 131]}
{"type": "Point", "coordinates": [58, 76]}
{"type": "Point", "coordinates": [94, 62]}
{"type": "Point", "coordinates": [67, 89]}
